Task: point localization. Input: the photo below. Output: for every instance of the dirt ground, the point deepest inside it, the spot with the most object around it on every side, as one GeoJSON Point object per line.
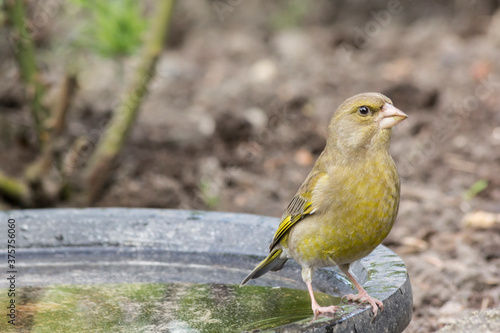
{"type": "Point", "coordinates": [237, 115]}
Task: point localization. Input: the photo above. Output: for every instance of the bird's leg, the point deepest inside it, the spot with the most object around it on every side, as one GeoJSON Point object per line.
{"type": "Point", "coordinates": [362, 295]}
{"type": "Point", "coordinates": [317, 309]}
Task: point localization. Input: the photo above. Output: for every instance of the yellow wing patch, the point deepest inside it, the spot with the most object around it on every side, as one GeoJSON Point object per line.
{"type": "Point", "coordinates": [300, 207]}
{"type": "Point", "coordinates": [288, 222]}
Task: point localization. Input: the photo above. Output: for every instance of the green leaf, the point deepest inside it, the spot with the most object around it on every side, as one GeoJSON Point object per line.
{"type": "Point", "coordinates": [475, 189]}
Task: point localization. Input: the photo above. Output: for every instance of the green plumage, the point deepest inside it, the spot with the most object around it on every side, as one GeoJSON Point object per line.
{"type": "Point", "coordinates": [348, 203]}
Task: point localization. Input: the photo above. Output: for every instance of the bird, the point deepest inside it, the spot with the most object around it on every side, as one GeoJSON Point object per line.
{"type": "Point", "coordinates": [348, 203]}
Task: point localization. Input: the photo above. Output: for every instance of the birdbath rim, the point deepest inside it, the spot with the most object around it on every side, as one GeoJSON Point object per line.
{"type": "Point", "coordinates": [201, 237]}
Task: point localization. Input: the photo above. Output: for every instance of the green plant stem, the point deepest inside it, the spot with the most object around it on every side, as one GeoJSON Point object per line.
{"type": "Point", "coordinates": [36, 172]}
{"type": "Point", "coordinates": [66, 94]}
{"type": "Point", "coordinates": [125, 114]}
{"type": "Point", "coordinates": [14, 189]}
{"type": "Point", "coordinates": [25, 56]}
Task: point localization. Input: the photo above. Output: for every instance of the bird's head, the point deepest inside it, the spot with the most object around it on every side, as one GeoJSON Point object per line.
{"type": "Point", "coordinates": [364, 122]}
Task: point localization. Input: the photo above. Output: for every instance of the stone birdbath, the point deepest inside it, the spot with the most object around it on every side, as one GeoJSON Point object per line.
{"type": "Point", "coordinates": [156, 270]}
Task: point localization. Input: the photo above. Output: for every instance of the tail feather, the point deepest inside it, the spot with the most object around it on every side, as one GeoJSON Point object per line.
{"type": "Point", "coordinates": [271, 263]}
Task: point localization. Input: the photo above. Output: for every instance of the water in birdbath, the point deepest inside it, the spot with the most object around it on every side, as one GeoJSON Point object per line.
{"type": "Point", "coordinates": [174, 307]}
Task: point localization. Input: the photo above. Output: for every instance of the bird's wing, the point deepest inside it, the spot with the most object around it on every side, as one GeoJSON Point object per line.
{"type": "Point", "coordinates": [300, 207]}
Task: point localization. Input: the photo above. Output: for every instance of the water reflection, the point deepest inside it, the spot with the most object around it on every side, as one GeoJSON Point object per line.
{"type": "Point", "coordinates": [178, 307]}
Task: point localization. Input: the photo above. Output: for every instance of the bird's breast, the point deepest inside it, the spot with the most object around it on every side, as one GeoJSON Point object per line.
{"type": "Point", "coordinates": [356, 210]}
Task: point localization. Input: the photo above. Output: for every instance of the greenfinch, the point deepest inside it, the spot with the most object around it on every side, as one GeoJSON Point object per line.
{"type": "Point", "coordinates": [349, 201]}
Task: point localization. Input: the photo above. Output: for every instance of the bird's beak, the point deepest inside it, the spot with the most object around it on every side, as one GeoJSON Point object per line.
{"type": "Point", "coordinates": [390, 116]}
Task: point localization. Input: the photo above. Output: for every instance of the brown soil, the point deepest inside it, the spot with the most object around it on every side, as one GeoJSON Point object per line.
{"type": "Point", "coordinates": [237, 116]}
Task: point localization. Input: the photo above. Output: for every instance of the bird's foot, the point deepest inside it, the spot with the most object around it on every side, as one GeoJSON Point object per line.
{"type": "Point", "coordinates": [363, 297]}
{"type": "Point", "coordinates": [318, 310]}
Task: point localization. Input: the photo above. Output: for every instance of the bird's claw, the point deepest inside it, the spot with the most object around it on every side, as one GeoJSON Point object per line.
{"type": "Point", "coordinates": [365, 298]}
{"type": "Point", "coordinates": [318, 310]}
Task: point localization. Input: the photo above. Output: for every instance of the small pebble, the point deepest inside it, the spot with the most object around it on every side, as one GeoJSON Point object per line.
{"type": "Point", "coordinates": [264, 71]}
{"type": "Point", "coordinates": [303, 157]}
{"type": "Point", "coordinates": [496, 135]}
{"type": "Point", "coordinates": [257, 117]}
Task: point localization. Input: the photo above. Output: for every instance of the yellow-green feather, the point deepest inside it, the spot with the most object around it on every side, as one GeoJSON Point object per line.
{"type": "Point", "coordinates": [356, 211]}
{"type": "Point", "coordinates": [272, 262]}
{"type": "Point", "coordinates": [300, 206]}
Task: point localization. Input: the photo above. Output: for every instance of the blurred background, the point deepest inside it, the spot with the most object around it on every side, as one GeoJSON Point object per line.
{"type": "Point", "coordinates": [223, 105]}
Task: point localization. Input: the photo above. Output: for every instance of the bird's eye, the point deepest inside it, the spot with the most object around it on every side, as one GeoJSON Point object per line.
{"type": "Point", "coordinates": [363, 111]}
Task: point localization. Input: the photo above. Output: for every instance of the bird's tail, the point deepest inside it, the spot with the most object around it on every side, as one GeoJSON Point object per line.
{"type": "Point", "coordinates": [271, 263]}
